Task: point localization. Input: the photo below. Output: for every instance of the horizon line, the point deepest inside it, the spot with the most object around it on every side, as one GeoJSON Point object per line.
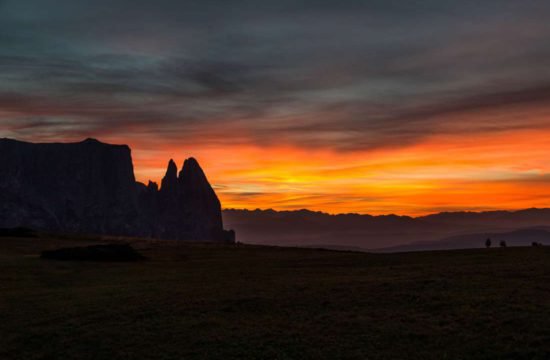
{"type": "Point", "coordinates": [391, 214]}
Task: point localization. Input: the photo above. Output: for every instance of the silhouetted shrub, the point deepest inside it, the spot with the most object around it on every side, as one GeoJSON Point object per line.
{"type": "Point", "coordinates": [502, 243]}
{"type": "Point", "coordinates": [488, 243]}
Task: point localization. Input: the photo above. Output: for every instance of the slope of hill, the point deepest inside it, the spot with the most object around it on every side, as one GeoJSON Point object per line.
{"type": "Point", "coordinates": [522, 237]}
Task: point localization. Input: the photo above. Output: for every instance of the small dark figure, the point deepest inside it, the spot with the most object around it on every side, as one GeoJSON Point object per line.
{"type": "Point", "coordinates": [488, 243]}
{"type": "Point", "coordinates": [502, 243]}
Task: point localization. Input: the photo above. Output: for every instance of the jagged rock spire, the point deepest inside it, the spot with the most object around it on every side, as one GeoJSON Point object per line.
{"type": "Point", "coordinates": [170, 180]}
{"type": "Point", "coordinates": [200, 202]}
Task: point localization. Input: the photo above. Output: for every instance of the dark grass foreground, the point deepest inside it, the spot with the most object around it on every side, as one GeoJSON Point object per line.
{"type": "Point", "coordinates": [223, 302]}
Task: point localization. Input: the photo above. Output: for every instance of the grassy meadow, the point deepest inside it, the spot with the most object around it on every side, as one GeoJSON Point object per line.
{"type": "Point", "coordinates": [201, 301]}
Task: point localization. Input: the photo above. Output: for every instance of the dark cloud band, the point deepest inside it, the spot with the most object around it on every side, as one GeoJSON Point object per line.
{"type": "Point", "coordinates": [346, 75]}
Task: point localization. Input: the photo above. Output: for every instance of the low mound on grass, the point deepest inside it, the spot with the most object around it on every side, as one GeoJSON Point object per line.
{"type": "Point", "coordinates": [18, 232]}
{"type": "Point", "coordinates": [110, 252]}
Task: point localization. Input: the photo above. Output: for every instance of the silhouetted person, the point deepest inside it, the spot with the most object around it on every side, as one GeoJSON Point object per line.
{"type": "Point", "coordinates": [488, 243]}
{"type": "Point", "coordinates": [502, 243]}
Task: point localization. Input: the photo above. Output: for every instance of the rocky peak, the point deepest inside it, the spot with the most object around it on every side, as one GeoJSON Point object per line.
{"type": "Point", "coordinates": [199, 201]}
{"type": "Point", "coordinates": [170, 180]}
{"type": "Point", "coordinates": [192, 176]}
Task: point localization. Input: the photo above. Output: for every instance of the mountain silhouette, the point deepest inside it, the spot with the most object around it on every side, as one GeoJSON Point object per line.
{"type": "Point", "coordinates": [90, 187]}
{"type": "Point", "coordinates": [354, 231]}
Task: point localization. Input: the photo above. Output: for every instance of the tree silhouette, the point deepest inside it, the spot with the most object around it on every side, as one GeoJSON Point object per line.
{"type": "Point", "coordinates": [488, 243]}
{"type": "Point", "coordinates": [502, 243]}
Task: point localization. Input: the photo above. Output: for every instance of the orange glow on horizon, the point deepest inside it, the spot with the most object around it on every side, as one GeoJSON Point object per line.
{"type": "Point", "coordinates": [443, 173]}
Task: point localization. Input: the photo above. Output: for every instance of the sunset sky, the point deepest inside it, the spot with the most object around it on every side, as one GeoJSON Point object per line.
{"type": "Point", "coordinates": [369, 106]}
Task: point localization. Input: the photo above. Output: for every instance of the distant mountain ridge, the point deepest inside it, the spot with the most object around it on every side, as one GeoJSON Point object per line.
{"type": "Point", "coordinates": [309, 228]}
{"type": "Point", "coordinates": [90, 187]}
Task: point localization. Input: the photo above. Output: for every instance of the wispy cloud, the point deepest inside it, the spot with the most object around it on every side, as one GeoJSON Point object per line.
{"type": "Point", "coordinates": [347, 77]}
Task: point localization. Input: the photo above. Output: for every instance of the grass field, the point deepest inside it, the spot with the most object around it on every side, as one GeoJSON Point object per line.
{"type": "Point", "coordinates": [244, 302]}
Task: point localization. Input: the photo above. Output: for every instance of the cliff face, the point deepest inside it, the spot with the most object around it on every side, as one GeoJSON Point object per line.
{"type": "Point", "coordinates": [89, 187]}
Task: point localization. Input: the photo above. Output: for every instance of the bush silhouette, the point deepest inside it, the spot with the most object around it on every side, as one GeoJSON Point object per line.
{"type": "Point", "coordinates": [488, 243]}
{"type": "Point", "coordinates": [502, 243]}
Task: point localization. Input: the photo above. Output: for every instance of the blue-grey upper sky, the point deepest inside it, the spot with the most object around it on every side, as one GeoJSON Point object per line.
{"type": "Point", "coordinates": [340, 74]}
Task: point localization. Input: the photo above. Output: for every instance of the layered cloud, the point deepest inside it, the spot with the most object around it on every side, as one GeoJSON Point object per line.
{"type": "Point", "coordinates": [350, 78]}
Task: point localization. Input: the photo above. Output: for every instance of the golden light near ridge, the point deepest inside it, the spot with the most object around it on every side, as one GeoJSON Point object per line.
{"type": "Point", "coordinates": [479, 172]}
